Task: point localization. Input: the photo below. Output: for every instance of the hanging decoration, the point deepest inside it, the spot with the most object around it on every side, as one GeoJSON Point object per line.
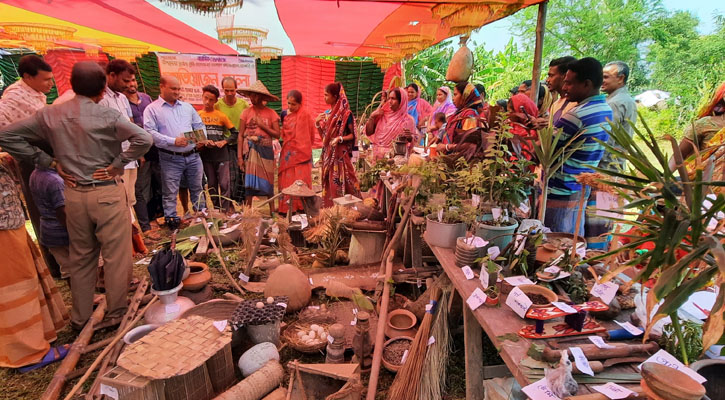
{"type": "Point", "coordinates": [39, 37]}
{"type": "Point", "coordinates": [265, 53]}
{"type": "Point", "coordinates": [206, 6]}
{"type": "Point", "coordinates": [409, 43]}
{"type": "Point", "coordinates": [126, 52]}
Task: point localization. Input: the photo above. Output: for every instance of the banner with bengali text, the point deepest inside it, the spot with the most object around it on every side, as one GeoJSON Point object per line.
{"type": "Point", "coordinates": [195, 71]}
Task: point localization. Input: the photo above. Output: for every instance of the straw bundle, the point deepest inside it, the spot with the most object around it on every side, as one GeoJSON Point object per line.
{"type": "Point", "coordinates": [433, 379]}
{"type": "Point", "coordinates": [406, 385]}
{"type": "Point", "coordinates": [257, 385]}
{"type": "Point", "coordinates": [597, 181]}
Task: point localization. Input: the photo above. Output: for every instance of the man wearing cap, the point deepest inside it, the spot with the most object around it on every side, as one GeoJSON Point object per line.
{"type": "Point", "coordinates": [168, 119]}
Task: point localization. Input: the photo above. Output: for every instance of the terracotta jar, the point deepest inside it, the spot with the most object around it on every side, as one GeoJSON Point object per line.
{"type": "Point", "coordinates": [400, 323]}
{"type": "Point", "coordinates": [199, 276]}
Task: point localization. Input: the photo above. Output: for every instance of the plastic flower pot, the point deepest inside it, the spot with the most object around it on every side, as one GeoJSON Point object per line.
{"type": "Point", "coordinates": [441, 234]}
{"type": "Point", "coordinates": [499, 236]}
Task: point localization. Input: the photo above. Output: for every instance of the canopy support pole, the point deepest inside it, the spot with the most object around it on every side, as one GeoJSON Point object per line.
{"type": "Point", "coordinates": [540, 25]}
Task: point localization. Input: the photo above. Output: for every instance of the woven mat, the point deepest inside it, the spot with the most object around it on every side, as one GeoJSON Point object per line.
{"type": "Point", "coordinates": [175, 348]}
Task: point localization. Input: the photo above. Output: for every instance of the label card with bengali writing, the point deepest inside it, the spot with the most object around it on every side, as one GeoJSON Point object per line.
{"type": "Point", "coordinates": [599, 342]}
{"type": "Point", "coordinates": [244, 278]}
{"type": "Point", "coordinates": [539, 390]}
{"type": "Point", "coordinates": [484, 277]}
{"type": "Point", "coordinates": [668, 360]}
{"type": "Point", "coordinates": [354, 321]}
{"type": "Point", "coordinates": [524, 207]}
{"type": "Point", "coordinates": [581, 361]}
{"type": "Point", "coordinates": [518, 280]}
{"type": "Point", "coordinates": [630, 328]}
{"type": "Point", "coordinates": [468, 272]}
{"type": "Point", "coordinates": [330, 339]}
{"type": "Point", "coordinates": [476, 299]}
{"type": "Point", "coordinates": [613, 391]}
{"type": "Point", "coordinates": [519, 302]}
{"type": "Point", "coordinates": [493, 252]}
{"type": "Point", "coordinates": [564, 307]}
{"type": "Point", "coordinates": [496, 213]}
{"type": "Point", "coordinates": [220, 325]}
{"type": "Point", "coordinates": [605, 291]}
{"type": "Point", "coordinates": [475, 200]}
{"type": "Point", "coordinates": [109, 391]}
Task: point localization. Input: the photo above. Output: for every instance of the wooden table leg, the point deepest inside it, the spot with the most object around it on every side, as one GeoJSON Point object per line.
{"type": "Point", "coordinates": [474, 355]}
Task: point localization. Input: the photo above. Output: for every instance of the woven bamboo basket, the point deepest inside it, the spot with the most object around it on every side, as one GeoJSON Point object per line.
{"type": "Point", "coordinates": [257, 385]}
{"type": "Point", "coordinates": [290, 336]}
{"type": "Point", "coordinates": [133, 387]}
{"type": "Point", "coordinates": [191, 356]}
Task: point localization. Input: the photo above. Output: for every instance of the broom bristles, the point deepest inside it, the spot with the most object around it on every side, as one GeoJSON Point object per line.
{"type": "Point", "coordinates": [433, 378]}
{"type": "Point", "coordinates": [407, 382]}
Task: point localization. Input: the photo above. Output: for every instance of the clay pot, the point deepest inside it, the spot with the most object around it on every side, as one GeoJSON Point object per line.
{"type": "Point", "coordinates": [492, 301]}
{"type": "Point", "coordinates": [392, 367]}
{"type": "Point", "coordinates": [669, 383]}
{"type": "Point", "coordinates": [200, 296]}
{"type": "Point", "coordinates": [199, 276]}
{"type": "Point", "coordinates": [400, 323]}
{"type": "Point", "coordinates": [540, 290]}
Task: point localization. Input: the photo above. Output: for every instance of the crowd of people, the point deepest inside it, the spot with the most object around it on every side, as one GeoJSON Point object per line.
{"type": "Point", "coordinates": [106, 157]}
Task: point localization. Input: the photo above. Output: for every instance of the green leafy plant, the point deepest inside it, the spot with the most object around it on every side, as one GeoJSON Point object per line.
{"type": "Point", "coordinates": [691, 336]}
{"type": "Point", "coordinates": [371, 176]}
{"type": "Point", "coordinates": [671, 213]}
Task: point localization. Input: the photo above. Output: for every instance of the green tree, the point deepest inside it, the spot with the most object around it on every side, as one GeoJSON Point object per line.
{"type": "Point", "coordinates": [427, 68]}
{"type": "Point", "coordinates": [502, 70]}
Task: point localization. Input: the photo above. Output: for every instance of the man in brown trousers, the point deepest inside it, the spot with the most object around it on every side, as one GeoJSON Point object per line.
{"type": "Point", "coordinates": [86, 140]}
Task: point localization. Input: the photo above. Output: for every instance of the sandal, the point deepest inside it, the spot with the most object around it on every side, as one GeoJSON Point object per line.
{"type": "Point", "coordinates": [54, 354]}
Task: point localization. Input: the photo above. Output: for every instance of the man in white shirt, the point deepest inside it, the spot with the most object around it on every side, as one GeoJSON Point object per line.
{"type": "Point", "coordinates": [119, 74]}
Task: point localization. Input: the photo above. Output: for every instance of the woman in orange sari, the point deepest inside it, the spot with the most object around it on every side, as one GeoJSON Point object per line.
{"type": "Point", "coordinates": [337, 128]}
{"type": "Point", "coordinates": [295, 161]}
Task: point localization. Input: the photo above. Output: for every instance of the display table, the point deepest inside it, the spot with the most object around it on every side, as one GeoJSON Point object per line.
{"type": "Point", "coordinates": [497, 322]}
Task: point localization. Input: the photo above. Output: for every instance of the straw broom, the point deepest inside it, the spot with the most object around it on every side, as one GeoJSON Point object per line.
{"type": "Point", "coordinates": [433, 380]}
{"type": "Point", "coordinates": [407, 382]}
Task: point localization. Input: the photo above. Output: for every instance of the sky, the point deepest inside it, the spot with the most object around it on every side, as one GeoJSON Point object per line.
{"type": "Point", "coordinates": [262, 13]}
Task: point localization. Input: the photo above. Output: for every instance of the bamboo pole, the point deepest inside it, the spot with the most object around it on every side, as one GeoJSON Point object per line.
{"type": "Point", "coordinates": [130, 314]}
{"type": "Point", "coordinates": [219, 256]}
{"type": "Point", "coordinates": [579, 217]}
{"type": "Point", "coordinates": [538, 50]}
{"type": "Point", "coordinates": [100, 357]}
{"type": "Point", "coordinates": [52, 392]}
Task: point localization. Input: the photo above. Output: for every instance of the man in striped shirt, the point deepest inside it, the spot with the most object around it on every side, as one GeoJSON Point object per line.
{"type": "Point", "coordinates": [587, 121]}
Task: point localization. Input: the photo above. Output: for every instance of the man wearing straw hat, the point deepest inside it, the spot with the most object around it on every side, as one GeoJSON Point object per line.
{"type": "Point", "coordinates": [168, 119]}
{"type": "Point", "coordinates": [259, 125]}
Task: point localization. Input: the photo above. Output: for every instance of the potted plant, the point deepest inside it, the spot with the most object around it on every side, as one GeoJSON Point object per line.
{"type": "Point", "coordinates": [445, 223]}
{"type": "Point", "coordinates": [491, 295]}
{"type": "Point", "coordinates": [505, 182]}
{"type": "Point", "coordinates": [674, 217]}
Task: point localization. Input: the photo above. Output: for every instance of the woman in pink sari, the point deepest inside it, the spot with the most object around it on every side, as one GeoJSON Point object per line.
{"type": "Point", "coordinates": [388, 122]}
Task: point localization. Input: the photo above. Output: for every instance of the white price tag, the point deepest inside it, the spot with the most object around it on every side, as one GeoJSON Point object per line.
{"type": "Point", "coordinates": [630, 328]}
{"type": "Point", "coordinates": [521, 246]}
{"type": "Point", "coordinates": [605, 291]}
{"type": "Point", "coordinates": [109, 391]}
{"type": "Point", "coordinates": [476, 299]}
{"type": "Point", "coordinates": [606, 201]}
{"type": "Point", "coordinates": [244, 278]}
{"type": "Point", "coordinates": [440, 215]}
{"type": "Point", "coordinates": [311, 284]}
{"type": "Point", "coordinates": [493, 252]}
{"type": "Point", "coordinates": [419, 283]}
{"type": "Point", "coordinates": [564, 307]}
{"type": "Point", "coordinates": [172, 308]}
{"type": "Point", "coordinates": [552, 269]}
{"type": "Point", "coordinates": [431, 340]}
{"type": "Point", "coordinates": [524, 207]}
{"type": "Point", "coordinates": [313, 307]}
{"type": "Point", "coordinates": [428, 307]}
{"type": "Point", "coordinates": [475, 200]}
{"type": "Point", "coordinates": [468, 272]}
{"type": "Point", "coordinates": [405, 357]}
{"type": "Point", "coordinates": [496, 213]}
{"type": "Point", "coordinates": [478, 242]}
{"type": "Point", "coordinates": [668, 360]}
{"type": "Point", "coordinates": [220, 325]}
{"type": "Point", "coordinates": [599, 342]}
{"type": "Point", "coordinates": [518, 280]}
{"type": "Point", "coordinates": [354, 311]}
{"type": "Point", "coordinates": [581, 361]}
{"type": "Point", "coordinates": [613, 391]}
{"type": "Point", "coordinates": [283, 305]}
{"type": "Point", "coordinates": [484, 277]}
{"type": "Point", "coordinates": [330, 339]}
{"type": "Point", "coordinates": [354, 321]}
{"type": "Point", "coordinates": [539, 390]}
{"type": "Point", "coordinates": [519, 302]}
{"type": "Point", "coordinates": [581, 250]}
{"type": "Point", "coordinates": [193, 238]}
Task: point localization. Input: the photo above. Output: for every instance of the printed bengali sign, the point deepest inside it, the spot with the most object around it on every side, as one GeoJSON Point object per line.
{"type": "Point", "coordinates": [195, 71]}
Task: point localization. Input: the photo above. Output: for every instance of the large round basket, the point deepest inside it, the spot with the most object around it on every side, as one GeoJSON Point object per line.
{"type": "Point", "coordinates": [290, 336]}
{"type": "Point", "coordinates": [217, 309]}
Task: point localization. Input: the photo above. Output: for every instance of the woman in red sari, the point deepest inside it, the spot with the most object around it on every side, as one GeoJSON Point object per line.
{"type": "Point", "coordinates": [337, 128]}
{"type": "Point", "coordinates": [522, 111]}
{"type": "Point", "coordinates": [467, 99]}
{"type": "Point", "coordinates": [295, 161]}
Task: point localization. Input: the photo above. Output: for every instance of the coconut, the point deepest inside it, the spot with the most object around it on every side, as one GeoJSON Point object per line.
{"type": "Point", "coordinates": [288, 280]}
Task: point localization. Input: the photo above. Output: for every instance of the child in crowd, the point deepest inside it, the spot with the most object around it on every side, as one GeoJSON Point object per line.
{"type": "Point", "coordinates": [438, 128]}
{"type": "Point", "coordinates": [214, 153]}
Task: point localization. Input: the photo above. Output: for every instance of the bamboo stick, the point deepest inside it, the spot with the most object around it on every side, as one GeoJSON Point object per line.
{"type": "Point", "coordinates": [52, 392]}
{"type": "Point", "coordinates": [98, 359]}
{"type": "Point", "coordinates": [127, 318]}
{"type": "Point", "coordinates": [219, 256]}
{"type": "Point", "coordinates": [579, 217]}
{"type": "Point", "coordinates": [253, 255]}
